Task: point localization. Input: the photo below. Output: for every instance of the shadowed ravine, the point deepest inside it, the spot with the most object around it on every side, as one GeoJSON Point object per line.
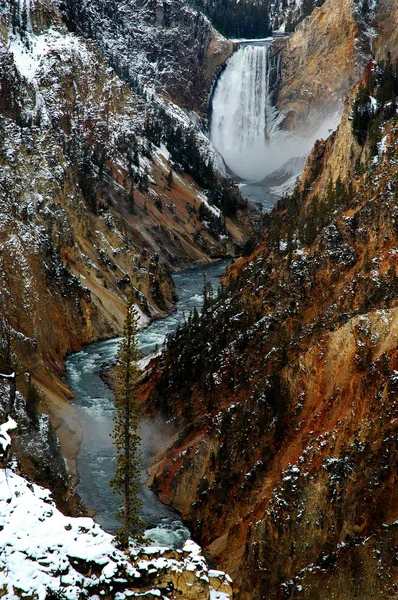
{"type": "Point", "coordinates": [94, 400]}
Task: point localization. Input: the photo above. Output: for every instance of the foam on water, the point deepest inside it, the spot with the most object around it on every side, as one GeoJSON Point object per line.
{"type": "Point", "coordinates": [174, 537]}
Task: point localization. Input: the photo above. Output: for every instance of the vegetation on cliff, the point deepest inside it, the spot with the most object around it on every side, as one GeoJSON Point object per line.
{"type": "Point", "coordinates": [169, 47]}
{"type": "Point", "coordinates": [237, 20]}
{"type": "Point", "coordinates": [375, 102]}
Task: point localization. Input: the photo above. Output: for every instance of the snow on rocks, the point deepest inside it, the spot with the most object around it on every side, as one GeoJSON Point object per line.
{"type": "Point", "coordinates": [5, 439]}
{"type": "Point", "coordinates": [45, 552]}
{"type": "Point", "coordinates": [186, 572]}
{"type": "Point", "coordinates": [203, 198]}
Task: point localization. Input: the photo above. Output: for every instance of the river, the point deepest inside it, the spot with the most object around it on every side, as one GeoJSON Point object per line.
{"type": "Point", "coordinates": [94, 400]}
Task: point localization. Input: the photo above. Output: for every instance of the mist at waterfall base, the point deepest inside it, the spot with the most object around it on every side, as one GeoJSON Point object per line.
{"type": "Point", "coordinates": [94, 399]}
{"type": "Point", "coordinates": [245, 125]}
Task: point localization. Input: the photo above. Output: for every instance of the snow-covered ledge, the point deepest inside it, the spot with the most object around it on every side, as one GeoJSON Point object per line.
{"type": "Point", "coordinates": [5, 439]}
{"type": "Point", "coordinates": [44, 552]}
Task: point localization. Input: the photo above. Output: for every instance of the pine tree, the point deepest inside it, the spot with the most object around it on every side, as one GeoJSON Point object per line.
{"type": "Point", "coordinates": [126, 481]}
{"type": "Point", "coordinates": [169, 180]}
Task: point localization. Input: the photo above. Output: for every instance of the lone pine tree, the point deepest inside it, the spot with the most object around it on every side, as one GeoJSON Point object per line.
{"type": "Point", "coordinates": [126, 481]}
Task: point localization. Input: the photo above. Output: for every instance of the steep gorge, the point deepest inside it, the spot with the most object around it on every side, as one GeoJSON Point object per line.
{"type": "Point", "coordinates": [284, 400]}
{"type": "Point", "coordinates": [283, 455]}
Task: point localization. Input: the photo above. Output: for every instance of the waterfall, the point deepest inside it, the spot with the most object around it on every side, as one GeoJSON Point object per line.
{"type": "Point", "coordinates": [244, 119]}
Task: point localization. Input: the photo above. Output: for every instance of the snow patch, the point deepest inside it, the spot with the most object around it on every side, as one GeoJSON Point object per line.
{"type": "Point", "coordinates": [41, 547]}
{"type": "Point", "coordinates": [203, 198]}
{"type": "Point", "coordinates": [30, 53]}
{"type": "Point", "coordinates": [5, 439]}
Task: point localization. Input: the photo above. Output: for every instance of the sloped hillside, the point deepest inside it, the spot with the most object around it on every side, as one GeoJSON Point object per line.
{"type": "Point", "coordinates": [285, 397]}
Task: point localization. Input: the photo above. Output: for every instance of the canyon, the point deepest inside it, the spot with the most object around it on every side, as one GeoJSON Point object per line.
{"type": "Point", "coordinates": [280, 411]}
{"type": "Point", "coordinates": [91, 208]}
{"type": "Point", "coordinates": [284, 399]}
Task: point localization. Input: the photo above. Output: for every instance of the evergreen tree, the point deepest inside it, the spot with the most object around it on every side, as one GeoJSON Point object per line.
{"type": "Point", "coordinates": [126, 481]}
{"type": "Point", "coordinates": [361, 115]}
{"type": "Point", "coordinates": [169, 180]}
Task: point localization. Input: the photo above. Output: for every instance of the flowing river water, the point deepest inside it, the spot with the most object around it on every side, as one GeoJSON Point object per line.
{"type": "Point", "coordinates": [94, 400]}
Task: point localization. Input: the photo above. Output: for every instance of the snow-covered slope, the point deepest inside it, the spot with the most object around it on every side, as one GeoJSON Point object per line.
{"type": "Point", "coordinates": [286, 14]}
{"type": "Point", "coordinates": [165, 45]}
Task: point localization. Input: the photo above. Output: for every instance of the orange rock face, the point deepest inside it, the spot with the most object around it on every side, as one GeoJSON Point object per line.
{"type": "Point", "coordinates": [285, 393]}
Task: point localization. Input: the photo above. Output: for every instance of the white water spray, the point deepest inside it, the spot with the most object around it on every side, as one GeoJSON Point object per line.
{"type": "Point", "coordinates": [243, 118]}
{"type": "Point", "coordinates": [245, 125]}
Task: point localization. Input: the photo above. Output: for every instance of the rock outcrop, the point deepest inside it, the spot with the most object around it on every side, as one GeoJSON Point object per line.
{"type": "Point", "coordinates": [46, 553]}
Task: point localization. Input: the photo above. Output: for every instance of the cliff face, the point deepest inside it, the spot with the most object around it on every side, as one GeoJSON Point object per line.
{"type": "Point", "coordinates": [321, 61]}
{"type": "Point", "coordinates": [285, 394]}
{"type": "Point", "coordinates": [387, 40]}
{"type": "Point", "coordinates": [168, 46]}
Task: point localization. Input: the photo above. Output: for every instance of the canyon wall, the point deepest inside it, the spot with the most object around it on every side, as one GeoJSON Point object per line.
{"type": "Point", "coordinates": [387, 40]}
{"type": "Point", "coordinates": [321, 61]}
{"type": "Point", "coordinates": [168, 46]}
{"type": "Point", "coordinates": [284, 402]}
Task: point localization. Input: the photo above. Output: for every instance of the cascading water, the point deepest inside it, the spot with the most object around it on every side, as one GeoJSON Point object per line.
{"type": "Point", "coordinates": [243, 116]}
{"type": "Point", "coordinates": [245, 125]}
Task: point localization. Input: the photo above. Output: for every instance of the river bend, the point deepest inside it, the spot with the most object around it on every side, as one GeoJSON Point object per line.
{"type": "Point", "coordinates": [96, 461]}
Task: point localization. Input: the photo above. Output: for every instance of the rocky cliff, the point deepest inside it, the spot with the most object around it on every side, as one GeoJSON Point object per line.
{"type": "Point", "coordinates": [387, 40]}
{"type": "Point", "coordinates": [321, 61]}
{"type": "Point", "coordinates": [284, 400]}
{"type": "Point", "coordinates": [169, 46]}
